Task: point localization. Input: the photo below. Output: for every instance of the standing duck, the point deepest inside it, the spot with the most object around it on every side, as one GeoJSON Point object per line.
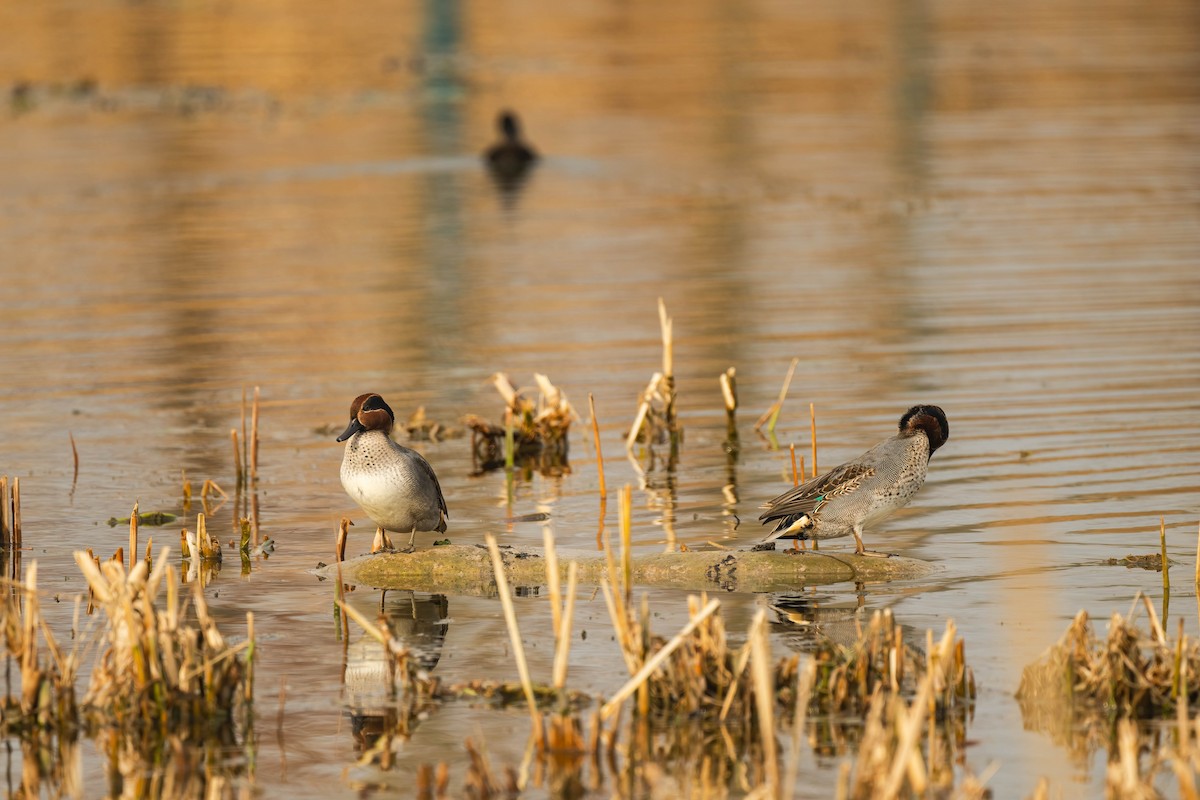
{"type": "Point", "coordinates": [859, 493]}
{"type": "Point", "coordinates": [393, 484]}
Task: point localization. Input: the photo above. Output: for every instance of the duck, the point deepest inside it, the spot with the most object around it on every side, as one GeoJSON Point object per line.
{"type": "Point", "coordinates": [395, 486]}
{"type": "Point", "coordinates": [511, 156]}
{"type": "Point", "coordinates": [864, 491]}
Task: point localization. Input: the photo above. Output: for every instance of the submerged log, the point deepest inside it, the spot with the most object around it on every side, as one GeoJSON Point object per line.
{"type": "Point", "coordinates": [467, 569]}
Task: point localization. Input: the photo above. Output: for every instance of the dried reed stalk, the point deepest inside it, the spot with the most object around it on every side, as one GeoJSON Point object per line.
{"type": "Point", "coordinates": [552, 579]}
{"type": "Point", "coordinates": [514, 633]}
{"type": "Point", "coordinates": [1166, 564]}
{"type": "Point", "coordinates": [805, 679]}
{"type": "Point", "coordinates": [626, 526]}
{"type": "Point", "coordinates": [764, 696]}
{"type": "Point", "coordinates": [562, 645]}
{"type": "Point", "coordinates": [812, 416]}
{"type": "Point", "coordinates": [74, 459]}
{"type": "Point", "coordinates": [728, 381]}
{"type": "Point", "coordinates": [254, 439]}
{"type": "Point", "coordinates": [342, 534]}
{"type": "Point", "coordinates": [237, 458]}
{"type": "Point", "coordinates": [16, 515]}
{"type": "Point", "coordinates": [600, 453]}
{"type": "Point", "coordinates": [133, 534]}
{"type": "Point", "coordinates": [1198, 558]}
{"type": "Point", "coordinates": [6, 530]}
{"type": "Point", "coordinates": [245, 459]}
{"type": "Point", "coordinates": [771, 415]}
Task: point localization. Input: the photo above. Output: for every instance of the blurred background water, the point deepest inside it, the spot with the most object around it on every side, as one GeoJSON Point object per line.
{"type": "Point", "coordinates": [990, 207]}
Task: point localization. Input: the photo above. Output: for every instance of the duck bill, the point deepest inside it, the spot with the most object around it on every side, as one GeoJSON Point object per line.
{"type": "Point", "coordinates": [354, 427]}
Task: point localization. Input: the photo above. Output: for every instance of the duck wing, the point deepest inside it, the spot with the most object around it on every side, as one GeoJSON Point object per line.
{"type": "Point", "coordinates": [807, 498]}
{"type": "Point", "coordinates": [428, 470]}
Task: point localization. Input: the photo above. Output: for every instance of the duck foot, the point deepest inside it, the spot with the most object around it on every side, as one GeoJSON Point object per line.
{"type": "Point", "coordinates": [874, 554]}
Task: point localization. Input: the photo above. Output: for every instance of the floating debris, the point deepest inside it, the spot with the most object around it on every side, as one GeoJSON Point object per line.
{"type": "Point", "coordinates": [532, 432]}
{"type": "Point", "coordinates": [1150, 561]}
{"type": "Point", "coordinates": [150, 518]}
{"type": "Point", "coordinates": [422, 429]}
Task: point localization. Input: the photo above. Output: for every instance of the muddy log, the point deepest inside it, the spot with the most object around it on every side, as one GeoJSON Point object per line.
{"type": "Point", "coordinates": [467, 569]}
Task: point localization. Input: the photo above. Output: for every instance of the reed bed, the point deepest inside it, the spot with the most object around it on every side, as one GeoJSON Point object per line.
{"type": "Point", "coordinates": [166, 694]}
{"type": "Point", "coordinates": [159, 673]}
{"type": "Point", "coordinates": [47, 703]}
{"type": "Point", "coordinates": [1131, 673]}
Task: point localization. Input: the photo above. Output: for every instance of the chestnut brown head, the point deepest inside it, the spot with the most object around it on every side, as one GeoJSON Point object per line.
{"type": "Point", "coordinates": [369, 412]}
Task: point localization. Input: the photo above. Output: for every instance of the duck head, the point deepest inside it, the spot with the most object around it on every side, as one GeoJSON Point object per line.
{"type": "Point", "coordinates": [369, 412]}
{"type": "Point", "coordinates": [509, 125]}
{"type": "Point", "coordinates": [930, 420]}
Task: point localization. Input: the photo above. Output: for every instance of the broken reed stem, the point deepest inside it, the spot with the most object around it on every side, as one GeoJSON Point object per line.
{"type": "Point", "coordinates": [562, 647]}
{"type": "Point", "coordinates": [764, 696]}
{"type": "Point", "coordinates": [254, 439]}
{"type": "Point", "coordinates": [805, 679]}
{"type": "Point", "coordinates": [631, 686]}
{"type": "Point", "coordinates": [133, 535]}
{"type": "Point", "coordinates": [1198, 556]}
{"type": "Point", "coordinates": [16, 513]}
{"type": "Point", "coordinates": [1166, 569]}
{"type": "Point", "coordinates": [728, 381]}
{"type": "Point", "coordinates": [907, 758]}
{"type": "Point", "coordinates": [812, 417]}
{"type": "Point", "coordinates": [626, 536]}
{"type": "Point", "coordinates": [237, 457]}
{"type": "Point", "coordinates": [668, 351]}
{"type": "Point", "coordinates": [245, 439]}
{"type": "Point", "coordinates": [552, 581]}
{"type": "Point", "coordinates": [795, 475]}
{"type": "Point", "coordinates": [6, 531]}
{"type": "Point", "coordinates": [342, 534]}
{"type": "Point", "coordinates": [599, 454]}
{"type": "Point", "coordinates": [75, 458]}
{"type": "Point", "coordinates": [514, 633]}
{"type": "Point", "coordinates": [248, 686]}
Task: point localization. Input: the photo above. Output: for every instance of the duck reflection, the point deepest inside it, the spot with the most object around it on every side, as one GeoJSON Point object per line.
{"type": "Point", "coordinates": [804, 621]}
{"type": "Point", "coordinates": [511, 159]}
{"type": "Point", "coordinates": [377, 715]}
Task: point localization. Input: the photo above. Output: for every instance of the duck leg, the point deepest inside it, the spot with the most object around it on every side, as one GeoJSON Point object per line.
{"type": "Point", "coordinates": [861, 551]}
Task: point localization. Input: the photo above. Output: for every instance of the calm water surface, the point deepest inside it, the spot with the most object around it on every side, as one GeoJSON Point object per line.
{"type": "Point", "coordinates": [995, 209]}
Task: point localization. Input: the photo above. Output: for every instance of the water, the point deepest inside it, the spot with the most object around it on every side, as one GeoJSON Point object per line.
{"type": "Point", "coordinates": [991, 209]}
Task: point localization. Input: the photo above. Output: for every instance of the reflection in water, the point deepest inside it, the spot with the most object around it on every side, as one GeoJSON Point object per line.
{"type": "Point", "coordinates": [378, 716]}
